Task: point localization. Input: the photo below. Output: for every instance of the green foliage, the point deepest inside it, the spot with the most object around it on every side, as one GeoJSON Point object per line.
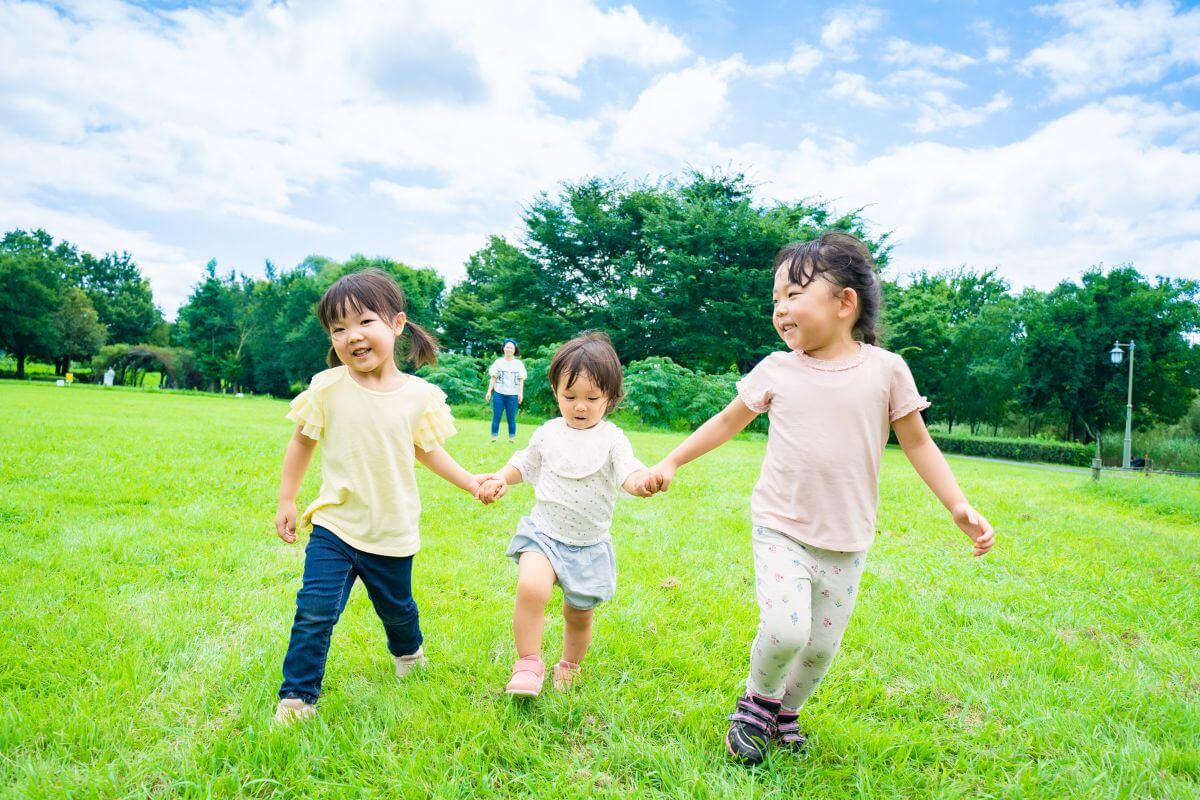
{"type": "Point", "coordinates": [661, 393]}
{"type": "Point", "coordinates": [175, 365]}
{"type": "Point", "coordinates": [461, 377]}
{"type": "Point", "coordinates": [957, 331]}
{"type": "Point", "coordinates": [80, 333]}
{"type": "Point", "coordinates": [263, 334]}
{"type": "Point", "coordinates": [1069, 331]}
{"type": "Point", "coordinates": [680, 270]}
{"type": "Point", "coordinates": [32, 274]}
{"type": "Point", "coordinates": [121, 296]}
{"type": "Point", "coordinates": [1045, 450]}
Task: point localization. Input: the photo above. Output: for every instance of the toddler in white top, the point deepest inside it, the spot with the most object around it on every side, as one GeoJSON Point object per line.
{"type": "Point", "coordinates": [577, 463]}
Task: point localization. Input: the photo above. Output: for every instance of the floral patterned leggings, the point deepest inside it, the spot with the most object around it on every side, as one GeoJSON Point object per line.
{"type": "Point", "coordinates": [805, 596]}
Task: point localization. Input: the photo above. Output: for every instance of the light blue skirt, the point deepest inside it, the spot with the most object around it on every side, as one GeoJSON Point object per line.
{"type": "Point", "coordinates": [587, 574]}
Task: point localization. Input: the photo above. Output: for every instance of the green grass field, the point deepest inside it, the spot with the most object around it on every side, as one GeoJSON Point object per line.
{"type": "Point", "coordinates": [147, 605]}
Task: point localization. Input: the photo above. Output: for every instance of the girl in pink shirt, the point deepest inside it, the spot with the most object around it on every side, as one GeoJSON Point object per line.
{"type": "Point", "coordinates": [831, 398]}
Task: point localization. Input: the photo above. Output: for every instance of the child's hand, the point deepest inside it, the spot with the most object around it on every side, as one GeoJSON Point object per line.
{"type": "Point", "coordinates": [660, 477]}
{"type": "Point", "coordinates": [974, 525]}
{"type": "Point", "coordinates": [492, 489]}
{"type": "Point", "coordinates": [640, 483]}
{"type": "Point", "coordinates": [285, 521]}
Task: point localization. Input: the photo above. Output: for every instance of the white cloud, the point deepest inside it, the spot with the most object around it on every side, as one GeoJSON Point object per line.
{"type": "Point", "coordinates": [930, 56]}
{"type": "Point", "coordinates": [172, 270]}
{"type": "Point", "coordinates": [1110, 182]}
{"type": "Point", "coordinates": [855, 88]}
{"type": "Point", "coordinates": [938, 112]}
{"type": "Point", "coordinates": [802, 61]}
{"type": "Point", "coordinates": [848, 25]}
{"type": "Point", "coordinates": [679, 108]}
{"type": "Point", "coordinates": [922, 79]}
{"type": "Point", "coordinates": [996, 54]}
{"type": "Point", "coordinates": [246, 116]}
{"type": "Point", "coordinates": [1112, 44]}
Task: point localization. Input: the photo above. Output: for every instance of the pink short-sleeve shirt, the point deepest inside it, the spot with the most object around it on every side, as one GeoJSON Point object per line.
{"type": "Point", "coordinates": [829, 424]}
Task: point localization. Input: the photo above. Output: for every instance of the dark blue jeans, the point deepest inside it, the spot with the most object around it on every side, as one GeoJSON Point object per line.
{"type": "Point", "coordinates": [504, 404]}
{"type": "Point", "coordinates": [330, 567]}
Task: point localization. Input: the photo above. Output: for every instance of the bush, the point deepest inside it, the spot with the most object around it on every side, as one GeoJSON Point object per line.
{"type": "Point", "coordinates": [1045, 450]}
{"type": "Point", "coordinates": [461, 377]}
{"type": "Point", "coordinates": [661, 393]}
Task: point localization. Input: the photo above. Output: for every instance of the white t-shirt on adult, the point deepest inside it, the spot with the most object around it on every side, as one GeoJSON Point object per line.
{"type": "Point", "coordinates": [576, 477]}
{"type": "Point", "coordinates": [508, 375]}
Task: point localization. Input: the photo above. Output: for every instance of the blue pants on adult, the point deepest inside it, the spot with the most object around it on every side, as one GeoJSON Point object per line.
{"type": "Point", "coordinates": [505, 404]}
{"type": "Point", "coordinates": [330, 568]}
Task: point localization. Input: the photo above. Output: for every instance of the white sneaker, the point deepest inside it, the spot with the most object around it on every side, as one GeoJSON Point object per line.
{"type": "Point", "coordinates": [406, 664]}
{"type": "Point", "coordinates": [293, 709]}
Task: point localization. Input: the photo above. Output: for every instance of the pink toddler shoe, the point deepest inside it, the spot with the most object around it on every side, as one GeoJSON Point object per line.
{"type": "Point", "coordinates": [527, 676]}
{"type": "Point", "coordinates": [566, 675]}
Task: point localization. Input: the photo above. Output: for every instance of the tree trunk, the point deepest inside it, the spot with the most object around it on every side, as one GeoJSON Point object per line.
{"type": "Point", "coordinates": [66, 365]}
{"type": "Point", "coordinates": [20, 366]}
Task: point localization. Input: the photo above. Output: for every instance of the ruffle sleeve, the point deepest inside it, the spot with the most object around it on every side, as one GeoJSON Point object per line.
{"type": "Point", "coordinates": [903, 396]}
{"type": "Point", "coordinates": [436, 423]}
{"type": "Point", "coordinates": [308, 408]}
{"type": "Point", "coordinates": [754, 389]}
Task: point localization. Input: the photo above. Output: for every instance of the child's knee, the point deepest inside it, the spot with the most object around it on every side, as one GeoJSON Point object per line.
{"type": "Point", "coordinates": [784, 636]}
{"type": "Point", "coordinates": [576, 617]}
{"type": "Point", "coordinates": [317, 610]}
{"type": "Point", "coordinates": [534, 589]}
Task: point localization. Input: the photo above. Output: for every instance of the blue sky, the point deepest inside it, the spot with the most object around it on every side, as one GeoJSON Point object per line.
{"type": "Point", "coordinates": [1037, 139]}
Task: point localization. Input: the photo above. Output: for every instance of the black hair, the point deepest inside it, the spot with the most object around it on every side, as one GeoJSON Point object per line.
{"type": "Point", "coordinates": [844, 261]}
{"type": "Point", "coordinates": [373, 289]}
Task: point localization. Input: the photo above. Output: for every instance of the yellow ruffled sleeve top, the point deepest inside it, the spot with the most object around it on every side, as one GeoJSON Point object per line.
{"type": "Point", "coordinates": [368, 492]}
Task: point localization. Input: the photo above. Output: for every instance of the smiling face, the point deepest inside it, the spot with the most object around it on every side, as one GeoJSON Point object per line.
{"type": "Point", "coordinates": [364, 340]}
{"type": "Point", "coordinates": [813, 316]}
{"type": "Point", "coordinates": [509, 349]}
{"type": "Point", "coordinates": [582, 404]}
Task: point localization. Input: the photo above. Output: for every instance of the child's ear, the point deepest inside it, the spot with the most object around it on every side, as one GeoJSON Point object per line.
{"type": "Point", "coordinates": [847, 302]}
{"type": "Point", "coordinates": [399, 322]}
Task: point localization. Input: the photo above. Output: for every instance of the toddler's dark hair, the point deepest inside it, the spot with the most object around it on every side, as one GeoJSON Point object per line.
{"type": "Point", "coordinates": [591, 354]}
{"type": "Point", "coordinates": [844, 261]}
{"type": "Point", "coordinates": [377, 291]}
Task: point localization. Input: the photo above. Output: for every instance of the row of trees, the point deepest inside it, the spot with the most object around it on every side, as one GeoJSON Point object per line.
{"type": "Point", "coordinates": [679, 274]}
{"type": "Point", "coordinates": [60, 304]}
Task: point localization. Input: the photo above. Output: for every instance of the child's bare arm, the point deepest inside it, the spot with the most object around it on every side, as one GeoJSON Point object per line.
{"type": "Point", "coordinates": [718, 430]}
{"type": "Point", "coordinates": [441, 463]}
{"type": "Point", "coordinates": [927, 459]}
{"type": "Point", "coordinates": [295, 463]}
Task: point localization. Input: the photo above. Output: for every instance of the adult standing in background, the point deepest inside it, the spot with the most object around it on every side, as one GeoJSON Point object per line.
{"type": "Point", "coordinates": [506, 388]}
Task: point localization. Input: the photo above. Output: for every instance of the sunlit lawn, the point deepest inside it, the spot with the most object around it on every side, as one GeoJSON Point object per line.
{"type": "Point", "coordinates": [147, 605]}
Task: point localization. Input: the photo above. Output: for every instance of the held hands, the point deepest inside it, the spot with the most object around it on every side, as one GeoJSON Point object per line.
{"type": "Point", "coordinates": [647, 482]}
{"type": "Point", "coordinates": [974, 525]}
{"type": "Point", "coordinates": [659, 477]}
{"type": "Point", "coordinates": [285, 521]}
{"type": "Point", "coordinates": [491, 488]}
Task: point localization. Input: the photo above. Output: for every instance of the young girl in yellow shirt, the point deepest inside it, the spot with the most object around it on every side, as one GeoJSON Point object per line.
{"type": "Point", "coordinates": [373, 421]}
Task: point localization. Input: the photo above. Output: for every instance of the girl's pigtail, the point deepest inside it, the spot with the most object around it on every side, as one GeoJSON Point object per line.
{"type": "Point", "coordinates": [331, 359]}
{"type": "Point", "coordinates": [423, 348]}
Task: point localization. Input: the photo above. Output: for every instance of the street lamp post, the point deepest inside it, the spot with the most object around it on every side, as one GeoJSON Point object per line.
{"type": "Point", "coordinates": [1117, 354]}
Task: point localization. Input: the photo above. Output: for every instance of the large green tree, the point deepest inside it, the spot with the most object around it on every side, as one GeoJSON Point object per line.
{"type": "Point", "coordinates": [1069, 331]}
{"type": "Point", "coordinates": [957, 331]}
{"type": "Point", "coordinates": [216, 325]}
{"type": "Point", "coordinates": [121, 296]}
{"type": "Point", "coordinates": [676, 269]}
{"type": "Point", "coordinates": [33, 273]}
{"type": "Point", "coordinates": [80, 333]}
